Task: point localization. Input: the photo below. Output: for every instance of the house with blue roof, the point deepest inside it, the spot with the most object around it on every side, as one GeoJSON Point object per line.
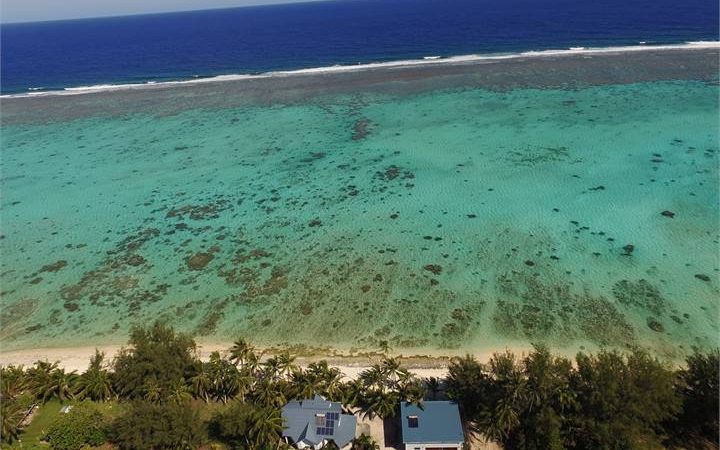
{"type": "Point", "coordinates": [435, 425]}
{"type": "Point", "coordinates": [314, 422]}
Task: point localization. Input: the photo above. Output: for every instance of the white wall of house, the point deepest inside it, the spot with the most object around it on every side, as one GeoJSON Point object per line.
{"type": "Point", "coordinates": [431, 445]}
{"type": "Point", "coordinates": [305, 445]}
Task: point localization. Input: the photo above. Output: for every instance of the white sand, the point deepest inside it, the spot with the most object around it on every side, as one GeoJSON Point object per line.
{"type": "Point", "coordinates": [77, 359]}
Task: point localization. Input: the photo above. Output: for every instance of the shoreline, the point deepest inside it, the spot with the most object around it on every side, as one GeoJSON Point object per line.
{"type": "Point", "coordinates": [362, 67]}
{"type": "Point", "coordinates": [424, 365]}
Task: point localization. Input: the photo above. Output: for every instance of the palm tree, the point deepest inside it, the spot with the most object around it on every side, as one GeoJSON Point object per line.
{"type": "Point", "coordinates": [201, 383]}
{"type": "Point", "coordinates": [11, 414]}
{"type": "Point", "coordinates": [268, 393]}
{"type": "Point", "coordinates": [412, 392]}
{"type": "Point", "coordinates": [271, 368]}
{"type": "Point", "coordinates": [304, 384]}
{"type": "Point", "coordinates": [352, 394]}
{"type": "Point", "coordinates": [373, 377]}
{"type": "Point", "coordinates": [384, 347]}
{"type": "Point", "coordinates": [13, 383]}
{"type": "Point", "coordinates": [226, 381]}
{"type": "Point", "coordinates": [39, 378]}
{"type": "Point", "coordinates": [95, 383]}
{"type": "Point", "coordinates": [252, 363]}
{"type": "Point", "coordinates": [433, 385]}
{"type": "Point", "coordinates": [240, 351]}
{"type": "Point", "coordinates": [364, 442]}
{"type": "Point", "coordinates": [179, 392]}
{"type": "Point", "coordinates": [266, 428]}
{"type": "Point", "coordinates": [152, 391]}
{"type": "Point", "coordinates": [47, 380]}
{"type": "Point", "coordinates": [286, 363]}
{"type": "Point", "coordinates": [380, 404]}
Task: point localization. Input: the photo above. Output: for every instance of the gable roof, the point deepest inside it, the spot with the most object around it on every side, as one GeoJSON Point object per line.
{"type": "Point", "coordinates": [300, 416]}
{"type": "Point", "coordinates": [437, 422]}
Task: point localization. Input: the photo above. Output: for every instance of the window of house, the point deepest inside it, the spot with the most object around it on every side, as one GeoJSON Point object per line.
{"type": "Point", "coordinates": [412, 421]}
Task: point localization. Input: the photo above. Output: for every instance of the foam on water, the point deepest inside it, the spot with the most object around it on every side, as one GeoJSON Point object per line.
{"type": "Point", "coordinates": [428, 60]}
{"type": "Point", "coordinates": [458, 218]}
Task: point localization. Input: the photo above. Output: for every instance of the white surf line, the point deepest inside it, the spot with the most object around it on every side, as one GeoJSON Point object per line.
{"type": "Point", "coordinates": [427, 61]}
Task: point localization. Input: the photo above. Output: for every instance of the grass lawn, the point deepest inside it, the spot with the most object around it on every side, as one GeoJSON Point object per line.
{"type": "Point", "coordinates": [47, 414]}
{"type": "Point", "coordinates": [44, 417]}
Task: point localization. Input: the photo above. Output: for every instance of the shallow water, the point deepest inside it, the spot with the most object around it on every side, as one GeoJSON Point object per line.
{"type": "Point", "coordinates": [449, 219]}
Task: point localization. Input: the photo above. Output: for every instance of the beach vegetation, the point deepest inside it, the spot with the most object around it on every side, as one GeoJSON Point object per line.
{"type": "Point", "coordinates": [167, 425]}
{"type": "Point", "coordinates": [247, 426]}
{"type": "Point", "coordinates": [698, 384]}
{"type": "Point", "coordinates": [47, 380]}
{"type": "Point", "coordinates": [364, 442]}
{"type": "Point", "coordinates": [83, 425]}
{"type": "Point", "coordinates": [157, 393]}
{"type": "Point", "coordinates": [15, 401]}
{"type": "Point", "coordinates": [155, 364]}
{"type": "Point", "coordinates": [96, 383]}
{"type": "Point", "coordinates": [608, 400]}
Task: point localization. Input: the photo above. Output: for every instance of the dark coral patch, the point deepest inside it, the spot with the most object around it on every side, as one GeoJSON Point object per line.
{"type": "Point", "coordinates": [199, 260]}
{"type": "Point", "coordinates": [360, 129]}
{"type": "Point", "coordinates": [702, 276]}
{"type": "Point", "coordinates": [655, 325]}
{"type": "Point", "coordinates": [54, 267]}
{"type": "Point", "coordinates": [434, 268]}
{"type": "Point", "coordinates": [639, 294]}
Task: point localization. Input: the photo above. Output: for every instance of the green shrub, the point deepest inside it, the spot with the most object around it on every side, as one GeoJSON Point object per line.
{"type": "Point", "coordinates": [247, 426]}
{"type": "Point", "coordinates": [82, 425]}
{"type": "Point", "coordinates": [156, 363]}
{"type": "Point", "coordinates": [146, 425]}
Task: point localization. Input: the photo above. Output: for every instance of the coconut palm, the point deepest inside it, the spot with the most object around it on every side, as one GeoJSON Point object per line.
{"type": "Point", "coordinates": [95, 382]}
{"type": "Point", "coordinates": [240, 351]}
{"type": "Point", "coordinates": [413, 391]}
{"type": "Point", "coordinates": [179, 392]}
{"type": "Point", "coordinates": [226, 381]}
{"type": "Point", "coordinates": [200, 383]}
{"type": "Point", "coordinates": [304, 384]}
{"type": "Point", "coordinates": [39, 376]}
{"type": "Point", "coordinates": [266, 428]}
{"type": "Point", "coordinates": [11, 415]}
{"type": "Point", "coordinates": [352, 394]}
{"type": "Point", "coordinates": [364, 442]}
{"type": "Point", "coordinates": [373, 377]}
{"type": "Point", "coordinates": [391, 367]}
{"type": "Point", "coordinates": [433, 385]}
{"type": "Point", "coordinates": [286, 363]}
{"type": "Point", "coordinates": [252, 363]}
{"type": "Point", "coordinates": [268, 393]}
{"type": "Point", "coordinates": [380, 404]}
{"type": "Point", "coordinates": [152, 391]}
{"type": "Point", "coordinates": [13, 381]}
{"type": "Point", "coordinates": [48, 381]}
{"type": "Point", "coordinates": [271, 368]}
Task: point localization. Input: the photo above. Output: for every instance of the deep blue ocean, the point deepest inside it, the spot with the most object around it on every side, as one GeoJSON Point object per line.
{"type": "Point", "coordinates": [60, 54]}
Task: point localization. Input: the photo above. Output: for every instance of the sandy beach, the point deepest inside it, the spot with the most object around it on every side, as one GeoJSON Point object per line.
{"type": "Point", "coordinates": [77, 358]}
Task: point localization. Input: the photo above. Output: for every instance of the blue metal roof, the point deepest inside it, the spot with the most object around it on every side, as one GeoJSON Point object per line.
{"type": "Point", "coordinates": [438, 422]}
{"type": "Point", "coordinates": [300, 416]}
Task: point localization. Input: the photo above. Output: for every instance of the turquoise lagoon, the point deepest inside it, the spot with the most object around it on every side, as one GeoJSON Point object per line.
{"type": "Point", "coordinates": [445, 220]}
